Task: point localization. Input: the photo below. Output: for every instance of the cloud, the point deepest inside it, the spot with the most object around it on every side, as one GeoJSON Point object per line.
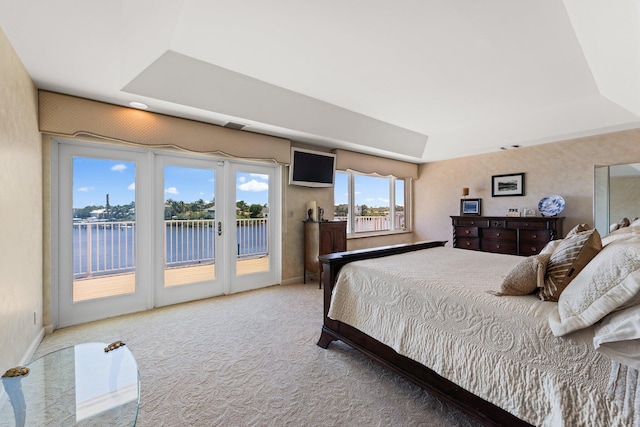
{"type": "Point", "coordinates": [254, 186]}
{"type": "Point", "coordinates": [85, 189]}
{"type": "Point", "coordinates": [261, 176]}
{"type": "Point", "coordinates": [118, 168]}
{"type": "Point", "coordinates": [383, 200]}
{"type": "Point", "coordinates": [132, 186]}
{"type": "Point", "coordinates": [242, 179]}
{"type": "Point", "coordinates": [171, 190]}
{"type": "Point", "coordinates": [369, 199]}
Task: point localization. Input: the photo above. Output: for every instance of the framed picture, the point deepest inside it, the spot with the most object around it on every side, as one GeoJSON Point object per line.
{"type": "Point", "coordinates": [507, 185]}
{"type": "Point", "coordinates": [470, 206]}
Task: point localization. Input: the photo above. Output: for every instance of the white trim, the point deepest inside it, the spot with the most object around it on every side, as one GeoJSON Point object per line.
{"type": "Point", "coordinates": [32, 348]}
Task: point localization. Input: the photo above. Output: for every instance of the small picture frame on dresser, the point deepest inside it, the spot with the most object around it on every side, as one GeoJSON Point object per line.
{"type": "Point", "coordinates": [470, 206]}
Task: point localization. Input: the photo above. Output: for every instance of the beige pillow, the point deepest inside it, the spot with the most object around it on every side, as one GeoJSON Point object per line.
{"type": "Point", "coordinates": [578, 229]}
{"type": "Point", "coordinates": [567, 260]}
{"type": "Point", "coordinates": [525, 277]}
{"type": "Point", "coordinates": [550, 247]}
{"type": "Point", "coordinates": [610, 282]}
{"type": "Point", "coordinates": [621, 233]}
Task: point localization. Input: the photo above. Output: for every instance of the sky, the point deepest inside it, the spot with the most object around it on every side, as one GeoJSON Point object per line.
{"type": "Point", "coordinates": [93, 179]}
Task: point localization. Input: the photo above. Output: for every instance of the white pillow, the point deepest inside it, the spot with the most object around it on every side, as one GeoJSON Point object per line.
{"type": "Point", "coordinates": [621, 233]}
{"type": "Point", "coordinates": [607, 283]}
{"type": "Point", "coordinates": [618, 336]}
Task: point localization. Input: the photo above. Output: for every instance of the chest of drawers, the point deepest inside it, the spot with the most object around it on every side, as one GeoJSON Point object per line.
{"type": "Point", "coordinates": [508, 235]}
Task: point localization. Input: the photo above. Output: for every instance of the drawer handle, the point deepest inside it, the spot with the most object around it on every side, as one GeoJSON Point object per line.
{"type": "Point", "coordinates": [534, 236]}
{"type": "Point", "coordinates": [472, 223]}
{"type": "Point", "coordinates": [468, 243]}
{"type": "Point", "coordinates": [526, 224]}
{"type": "Point", "coordinates": [534, 249]}
{"type": "Point", "coordinates": [466, 231]}
{"type": "Point", "coordinates": [497, 234]}
{"type": "Point", "coordinates": [498, 246]}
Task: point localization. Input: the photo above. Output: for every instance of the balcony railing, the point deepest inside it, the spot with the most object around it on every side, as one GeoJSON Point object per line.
{"type": "Point", "coordinates": [101, 248]}
{"type": "Point", "coordinates": [364, 224]}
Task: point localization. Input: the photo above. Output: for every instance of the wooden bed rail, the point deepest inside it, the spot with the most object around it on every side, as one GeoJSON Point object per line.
{"type": "Point", "coordinates": [485, 412]}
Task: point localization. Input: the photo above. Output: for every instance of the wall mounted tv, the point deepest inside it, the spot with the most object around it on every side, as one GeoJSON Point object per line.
{"type": "Point", "coordinates": [311, 168]}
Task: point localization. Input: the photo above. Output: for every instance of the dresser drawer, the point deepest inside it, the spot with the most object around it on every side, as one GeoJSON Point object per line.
{"type": "Point", "coordinates": [499, 233]}
{"type": "Point", "coordinates": [468, 243]}
{"type": "Point", "coordinates": [498, 246]}
{"type": "Point", "coordinates": [530, 248]}
{"type": "Point", "coordinates": [467, 231]}
{"type": "Point", "coordinates": [470, 222]}
{"type": "Point", "coordinates": [542, 236]}
{"type": "Point", "coordinates": [524, 224]}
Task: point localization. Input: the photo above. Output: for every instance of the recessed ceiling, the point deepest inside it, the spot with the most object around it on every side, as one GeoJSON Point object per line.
{"type": "Point", "coordinates": [413, 80]}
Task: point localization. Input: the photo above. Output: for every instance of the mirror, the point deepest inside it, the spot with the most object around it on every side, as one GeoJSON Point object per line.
{"type": "Point", "coordinates": [616, 195]}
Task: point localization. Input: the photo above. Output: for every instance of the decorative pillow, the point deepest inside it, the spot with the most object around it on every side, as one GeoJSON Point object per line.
{"type": "Point", "coordinates": [578, 229]}
{"type": "Point", "coordinates": [567, 260]}
{"type": "Point", "coordinates": [608, 283]}
{"type": "Point", "coordinates": [550, 247]}
{"type": "Point", "coordinates": [617, 336]}
{"type": "Point", "coordinates": [525, 277]}
{"type": "Point", "coordinates": [621, 233]}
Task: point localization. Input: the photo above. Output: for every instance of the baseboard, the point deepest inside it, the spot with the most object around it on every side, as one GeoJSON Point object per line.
{"type": "Point", "coordinates": [293, 281]}
{"type": "Point", "coordinates": [32, 348]}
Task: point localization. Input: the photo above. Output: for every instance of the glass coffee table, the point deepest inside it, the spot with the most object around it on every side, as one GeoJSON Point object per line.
{"type": "Point", "coordinates": [81, 385]}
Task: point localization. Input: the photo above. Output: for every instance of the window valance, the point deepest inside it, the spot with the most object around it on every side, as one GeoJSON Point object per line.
{"type": "Point", "coordinates": [67, 115]}
{"type": "Point", "coordinates": [369, 164]}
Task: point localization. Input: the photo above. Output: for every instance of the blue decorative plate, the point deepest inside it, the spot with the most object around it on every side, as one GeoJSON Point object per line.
{"type": "Point", "coordinates": [551, 205]}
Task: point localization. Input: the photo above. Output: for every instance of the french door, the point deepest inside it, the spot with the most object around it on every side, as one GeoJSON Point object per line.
{"type": "Point", "coordinates": [103, 223]}
{"type": "Point", "coordinates": [138, 229]}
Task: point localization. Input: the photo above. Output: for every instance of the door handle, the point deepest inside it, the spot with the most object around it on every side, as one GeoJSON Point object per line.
{"type": "Point", "coordinates": [219, 228]}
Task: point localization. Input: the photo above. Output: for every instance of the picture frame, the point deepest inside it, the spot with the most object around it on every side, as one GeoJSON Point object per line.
{"type": "Point", "coordinates": [511, 184]}
{"type": "Point", "coordinates": [470, 207]}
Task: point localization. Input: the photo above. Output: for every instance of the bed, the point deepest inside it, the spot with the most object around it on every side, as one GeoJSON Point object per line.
{"type": "Point", "coordinates": [494, 357]}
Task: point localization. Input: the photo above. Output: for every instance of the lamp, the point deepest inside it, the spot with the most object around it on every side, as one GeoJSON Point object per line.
{"type": "Point", "coordinates": [465, 192]}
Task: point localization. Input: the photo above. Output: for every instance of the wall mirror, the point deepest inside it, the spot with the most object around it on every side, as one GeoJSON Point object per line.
{"type": "Point", "coordinates": [616, 195]}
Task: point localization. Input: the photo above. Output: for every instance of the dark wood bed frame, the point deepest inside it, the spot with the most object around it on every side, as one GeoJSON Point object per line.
{"type": "Point", "coordinates": [483, 411]}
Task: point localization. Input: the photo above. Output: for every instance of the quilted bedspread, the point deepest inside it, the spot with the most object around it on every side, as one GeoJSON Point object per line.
{"type": "Point", "coordinates": [433, 307]}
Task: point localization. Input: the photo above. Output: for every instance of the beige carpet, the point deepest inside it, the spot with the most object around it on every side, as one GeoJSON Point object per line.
{"type": "Point", "coordinates": [251, 359]}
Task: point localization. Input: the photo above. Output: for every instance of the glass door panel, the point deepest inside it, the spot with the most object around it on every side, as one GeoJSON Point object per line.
{"type": "Point", "coordinates": [189, 225]}
{"type": "Point", "coordinates": [252, 222]}
{"type": "Point", "coordinates": [104, 228]}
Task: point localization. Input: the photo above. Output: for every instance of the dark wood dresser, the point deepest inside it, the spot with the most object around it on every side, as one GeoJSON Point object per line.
{"type": "Point", "coordinates": [508, 235]}
{"type": "Point", "coordinates": [321, 238]}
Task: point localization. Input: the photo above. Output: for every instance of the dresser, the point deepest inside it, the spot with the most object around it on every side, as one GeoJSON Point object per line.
{"type": "Point", "coordinates": [508, 235]}
{"type": "Point", "coordinates": [321, 238]}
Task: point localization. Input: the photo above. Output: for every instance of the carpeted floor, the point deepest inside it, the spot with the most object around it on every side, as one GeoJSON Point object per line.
{"type": "Point", "coordinates": [251, 359]}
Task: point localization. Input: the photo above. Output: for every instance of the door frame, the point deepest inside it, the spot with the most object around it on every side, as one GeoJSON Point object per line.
{"type": "Point", "coordinates": [243, 283]}
{"type": "Point", "coordinates": [190, 291]}
{"type": "Point", "coordinates": [63, 248]}
{"type": "Point", "coordinates": [145, 203]}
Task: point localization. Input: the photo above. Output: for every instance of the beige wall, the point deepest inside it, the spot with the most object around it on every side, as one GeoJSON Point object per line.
{"type": "Point", "coordinates": [20, 210]}
{"type": "Point", "coordinates": [564, 168]}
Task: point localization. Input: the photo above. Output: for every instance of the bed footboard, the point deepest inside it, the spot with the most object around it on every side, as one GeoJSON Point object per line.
{"type": "Point", "coordinates": [483, 411]}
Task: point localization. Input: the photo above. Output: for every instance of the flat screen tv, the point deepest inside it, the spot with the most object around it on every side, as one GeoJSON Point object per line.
{"type": "Point", "coordinates": [311, 168]}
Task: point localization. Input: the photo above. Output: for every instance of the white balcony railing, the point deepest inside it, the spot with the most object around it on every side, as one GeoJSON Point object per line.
{"type": "Point", "coordinates": [101, 248]}
{"type": "Point", "coordinates": [365, 224]}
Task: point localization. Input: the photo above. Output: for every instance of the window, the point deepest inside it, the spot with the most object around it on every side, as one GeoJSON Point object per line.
{"type": "Point", "coordinates": [370, 203]}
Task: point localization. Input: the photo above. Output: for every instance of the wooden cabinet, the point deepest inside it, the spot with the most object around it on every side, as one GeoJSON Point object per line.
{"type": "Point", "coordinates": [508, 235]}
{"type": "Point", "coordinates": [321, 238]}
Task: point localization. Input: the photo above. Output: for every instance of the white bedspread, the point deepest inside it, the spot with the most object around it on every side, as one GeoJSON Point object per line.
{"type": "Point", "coordinates": [432, 306]}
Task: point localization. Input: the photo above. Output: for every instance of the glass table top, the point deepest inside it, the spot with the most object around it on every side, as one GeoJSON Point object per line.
{"type": "Point", "coordinates": [80, 385]}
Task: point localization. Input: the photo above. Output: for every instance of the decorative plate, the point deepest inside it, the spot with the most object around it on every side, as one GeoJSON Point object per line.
{"type": "Point", "coordinates": [551, 205]}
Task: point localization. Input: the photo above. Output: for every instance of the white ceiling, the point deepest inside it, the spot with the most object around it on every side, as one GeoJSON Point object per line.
{"type": "Point", "coordinates": [416, 80]}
